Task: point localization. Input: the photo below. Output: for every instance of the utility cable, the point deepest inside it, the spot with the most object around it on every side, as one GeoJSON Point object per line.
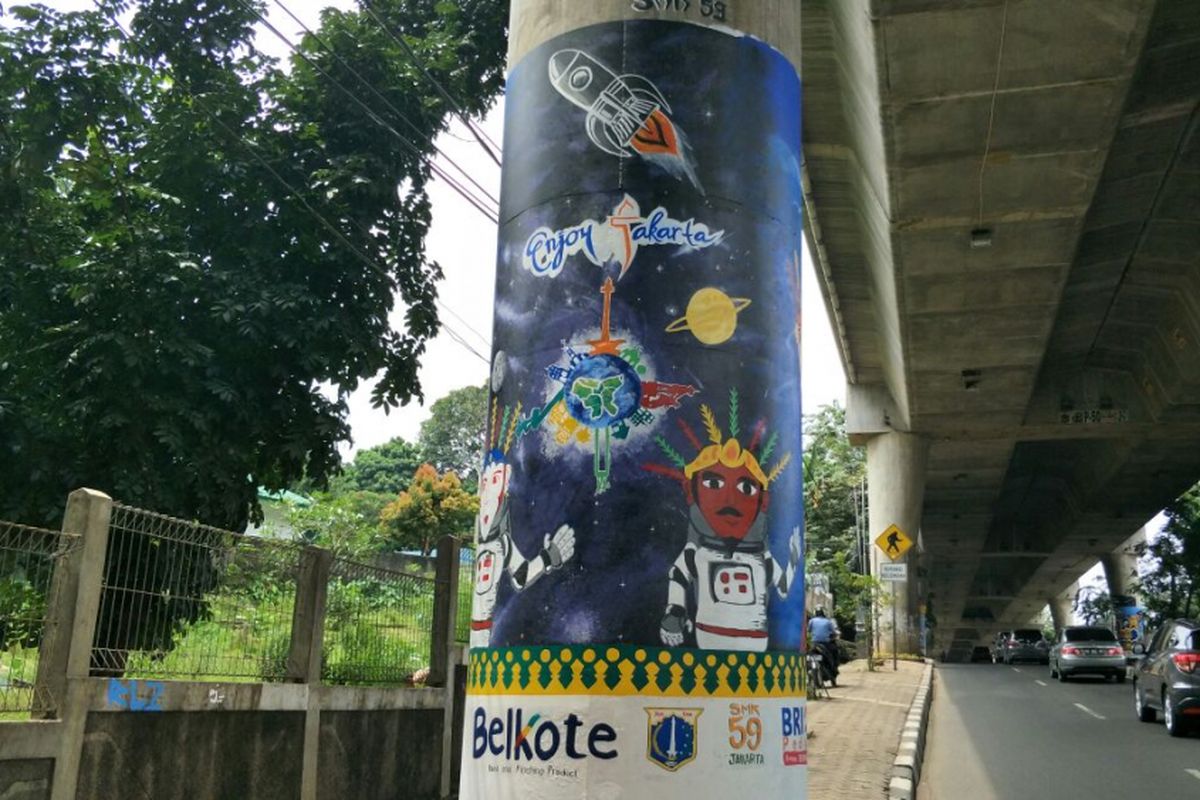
{"type": "Point", "coordinates": [480, 205]}
{"type": "Point", "coordinates": [441, 90]}
{"type": "Point", "coordinates": [354, 250]}
{"type": "Point", "coordinates": [371, 88]}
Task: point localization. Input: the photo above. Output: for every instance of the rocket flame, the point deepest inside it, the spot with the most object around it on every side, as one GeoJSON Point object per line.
{"type": "Point", "coordinates": [657, 136]}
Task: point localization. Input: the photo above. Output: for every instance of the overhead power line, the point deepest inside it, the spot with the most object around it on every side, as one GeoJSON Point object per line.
{"type": "Point", "coordinates": [490, 147]}
{"type": "Point", "coordinates": [374, 91]}
{"type": "Point", "coordinates": [481, 205]}
{"type": "Point", "coordinates": [353, 249]}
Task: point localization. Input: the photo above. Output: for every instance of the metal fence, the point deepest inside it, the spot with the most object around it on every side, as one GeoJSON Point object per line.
{"type": "Point", "coordinates": [466, 582]}
{"type": "Point", "coordinates": [28, 557]}
{"type": "Point", "coordinates": [378, 625]}
{"type": "Point", "coordinates": [189, 601]}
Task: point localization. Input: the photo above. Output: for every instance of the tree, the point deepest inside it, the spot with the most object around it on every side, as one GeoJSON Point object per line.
{"type": "Point", "coordinates": [432, 506]}
{"type": "Point", "coordinates": [452, 438]}
{"type": "Point", "coordinates": [385, 469]}
{"type": "Point", "coordinates": [1095, 607]}
{"type": "Point", "coordinates": [169, 310]}
{"type": "Point", "coordinates": [1172, 587]}
{"type": "Point", "coordinates": [196, 246]}
{"type": "Point", "coordinates": [834, 470]}
{"type": "Point", "coordinates": [347, 524]}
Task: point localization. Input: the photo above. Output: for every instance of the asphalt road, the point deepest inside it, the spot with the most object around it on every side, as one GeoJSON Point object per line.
{"type": "Point", "coordinates": [1004, 732]}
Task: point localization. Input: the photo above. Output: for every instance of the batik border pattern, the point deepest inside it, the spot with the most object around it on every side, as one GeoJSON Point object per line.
{"type": "Point", "coordinates": [626, 670]}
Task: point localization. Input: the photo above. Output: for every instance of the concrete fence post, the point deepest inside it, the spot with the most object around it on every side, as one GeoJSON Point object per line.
{"type": "Point", "coordinates": [304, 654]}
{"type": "Point", "coordinates": [67, 648]}
{"type": "Point", "coordinates": [445, 611]}
{"type": "Point", "coordinates": [308, 616]}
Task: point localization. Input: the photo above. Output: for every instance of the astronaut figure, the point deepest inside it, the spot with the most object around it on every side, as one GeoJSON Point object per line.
{"type": "Point", "coordinates": [719, 582]}
{"type": "Point", "coordinates": [496, 553]}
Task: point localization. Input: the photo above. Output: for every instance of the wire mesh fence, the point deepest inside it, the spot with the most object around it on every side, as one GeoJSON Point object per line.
{"type": "Point", "coordinates": [188, 601]}
{"type": "Point", "coordinates": [28, 557]}
{"type": "Point", "coordinates": [466, 583]}
{"type": "Point", "coordinates": [378, 625]}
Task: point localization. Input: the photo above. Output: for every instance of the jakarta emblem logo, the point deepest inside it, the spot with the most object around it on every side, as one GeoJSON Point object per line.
{"type": "Point", "coordinates": [671, 736]}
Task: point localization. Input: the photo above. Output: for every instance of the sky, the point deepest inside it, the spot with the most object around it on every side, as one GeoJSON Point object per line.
{"type": "Point", "coordinates": [463, 242]}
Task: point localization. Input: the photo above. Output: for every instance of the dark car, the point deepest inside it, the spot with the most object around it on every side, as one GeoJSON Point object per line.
{"type": "Point", "coordinates": [1167, 678]}
{"type": "Point", "coordinates": [980, 654]}
{"type": "Point", "coordinates": [1026, 644]}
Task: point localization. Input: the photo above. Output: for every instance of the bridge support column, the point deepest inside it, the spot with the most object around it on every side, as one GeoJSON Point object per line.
{"type": "Point", "coordinates": [638, 620]}
{"type": "Point", "coordinates": [1062, 607]}
{"type": "Point", "coordinates": [1120, 570]}
{"type": "Point", "coordinates": [895, 494]}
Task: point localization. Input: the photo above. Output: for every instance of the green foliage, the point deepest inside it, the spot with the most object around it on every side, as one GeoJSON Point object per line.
{"type": "Point", "coordinates": [1095, 608]}
{"type": "Point", "coordinates": [834, 470]}
{"type": "Point", "coordinates": [431, 507]}
{"type": "Point", "coordinates": [1172, 588]}
{"type": "Point", "coordinates": [169, 313]}
{"type": "Point", "coordinates": [453, 436]}
{"type": "Point", "coordinates": [346, 524]}
{"type": "Point", "coordinates": [22, 609]}
{"type": "Point", "coordinates": [385, 469]}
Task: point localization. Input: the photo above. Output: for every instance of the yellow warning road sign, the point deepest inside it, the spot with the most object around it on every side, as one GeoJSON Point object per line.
{"type": "Point", "coordinates": [893, 542]}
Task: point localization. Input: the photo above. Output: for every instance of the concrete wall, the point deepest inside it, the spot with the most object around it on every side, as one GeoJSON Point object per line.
{"type": "Point", "coordinates": [380, 755]}
{"type": "Point", "coordinates": [249, 755]}
{"type": "Point", "coordinates": [26, 779]}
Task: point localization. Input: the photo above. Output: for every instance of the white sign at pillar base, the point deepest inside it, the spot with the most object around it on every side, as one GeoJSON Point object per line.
{"type": "Point", "coordinates": [893, 572]}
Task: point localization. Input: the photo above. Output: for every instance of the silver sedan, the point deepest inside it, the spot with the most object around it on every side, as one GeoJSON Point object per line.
{"type": "Point", "coordinates": [1087, 650]}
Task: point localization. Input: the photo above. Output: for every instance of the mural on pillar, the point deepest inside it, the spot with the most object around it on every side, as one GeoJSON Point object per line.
{"type": "Point", "coordinates": [719, 583]}
{"type": "Point", "coordinates": [641, 530]}
{"type": "Point", "coordinates": [1130, 619]}
{"type": "Point", "coordinates": [625, 294]}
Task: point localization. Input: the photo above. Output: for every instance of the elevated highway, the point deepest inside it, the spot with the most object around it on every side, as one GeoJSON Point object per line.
{"type": "Point", "coordinates": [1004, 207]}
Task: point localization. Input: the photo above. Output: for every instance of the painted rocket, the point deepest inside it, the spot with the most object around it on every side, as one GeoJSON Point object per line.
{"type": "Point", "coordinates": [626, 114]}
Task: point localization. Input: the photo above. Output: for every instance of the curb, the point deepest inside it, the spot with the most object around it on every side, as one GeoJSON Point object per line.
{"type": "Point", "coordinates": [906, 768]}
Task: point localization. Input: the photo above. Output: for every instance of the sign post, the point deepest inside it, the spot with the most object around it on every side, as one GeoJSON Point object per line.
{"type": "Point", "coordinates": [894, 543]}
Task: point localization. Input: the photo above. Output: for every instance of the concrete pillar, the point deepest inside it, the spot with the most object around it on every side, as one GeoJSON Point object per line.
{"type": "Point", "coordinates": [1120, 566]}
{"type": "Point", "coordinates": [638, 609]}
{"type": "Point", "coordinates": [895, 495]}
{"type": "Point", "coordinates": [1121, 571]}
{"type": "Point", "coordinates": [76, 604]}
{"type": "Point", "coordinates": [1062, 607]}
{"type": "Point", "coordinates": [304, 655]}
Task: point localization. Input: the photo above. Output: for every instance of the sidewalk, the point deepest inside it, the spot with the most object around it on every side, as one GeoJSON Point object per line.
{"type": "Point", "coordinates": [854, 735]}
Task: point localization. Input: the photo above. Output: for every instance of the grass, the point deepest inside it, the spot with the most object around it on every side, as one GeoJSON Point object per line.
{"type": "Point", "coordinates": [18, 670]}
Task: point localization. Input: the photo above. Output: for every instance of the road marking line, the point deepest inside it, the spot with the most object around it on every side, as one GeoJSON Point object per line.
{"type": "Point", "coordinates": [1039, 683]}
{"type": "Point", "coordinates": [1087, 710]}
{"type": "Point", "coordinates": [1195, 773]}
{"type": "Point", "coordinates": [1014, 669]}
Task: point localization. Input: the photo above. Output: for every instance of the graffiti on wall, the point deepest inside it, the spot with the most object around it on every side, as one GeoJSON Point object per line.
{"type": "Point", "coordinates": [134, 695]}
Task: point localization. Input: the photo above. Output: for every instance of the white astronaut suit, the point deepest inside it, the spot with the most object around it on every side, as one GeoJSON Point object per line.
{"type": "Point", "coordinates": [718, 587]}
{"type": "Point", "coordinates": [496, 554]}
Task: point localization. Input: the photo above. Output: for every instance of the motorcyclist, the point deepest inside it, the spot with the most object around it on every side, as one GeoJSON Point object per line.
{"type": "Point", "coordinates": [822, 634]}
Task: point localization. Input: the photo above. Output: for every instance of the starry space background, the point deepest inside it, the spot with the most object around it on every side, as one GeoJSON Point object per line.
{"type": "Point", "coordinates": [738, 103]}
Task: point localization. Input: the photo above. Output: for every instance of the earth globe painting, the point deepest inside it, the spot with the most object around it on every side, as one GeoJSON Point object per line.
{"type": "Point", "coordinates": [604, 393]}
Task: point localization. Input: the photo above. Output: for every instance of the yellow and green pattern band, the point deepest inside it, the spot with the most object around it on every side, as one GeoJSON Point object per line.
{"type": "Point", "coordinates": [628, 670]}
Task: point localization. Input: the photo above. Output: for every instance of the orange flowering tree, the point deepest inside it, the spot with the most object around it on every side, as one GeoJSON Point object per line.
{"type": "Point", "coordinates": [433, 505]}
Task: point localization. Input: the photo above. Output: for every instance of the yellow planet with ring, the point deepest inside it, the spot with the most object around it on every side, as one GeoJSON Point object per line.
{"type": "Point", "coordinates": [711, 316]}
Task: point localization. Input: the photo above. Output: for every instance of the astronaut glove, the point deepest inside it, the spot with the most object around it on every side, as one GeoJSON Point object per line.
{"type": "Point", "coordinates": [559, 547]}
{"type": "Point", "coordinates": [672, 627]}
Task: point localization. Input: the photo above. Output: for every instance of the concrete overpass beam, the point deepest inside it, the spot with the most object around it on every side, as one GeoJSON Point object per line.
{"type": "Point", "coordinates": [1062, 608]}
{"type": "Point", "coordinates": [895, 493]}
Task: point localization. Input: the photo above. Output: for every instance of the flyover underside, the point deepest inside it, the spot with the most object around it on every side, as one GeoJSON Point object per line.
{"type": "Point", "coordinates": [1055, 367]}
